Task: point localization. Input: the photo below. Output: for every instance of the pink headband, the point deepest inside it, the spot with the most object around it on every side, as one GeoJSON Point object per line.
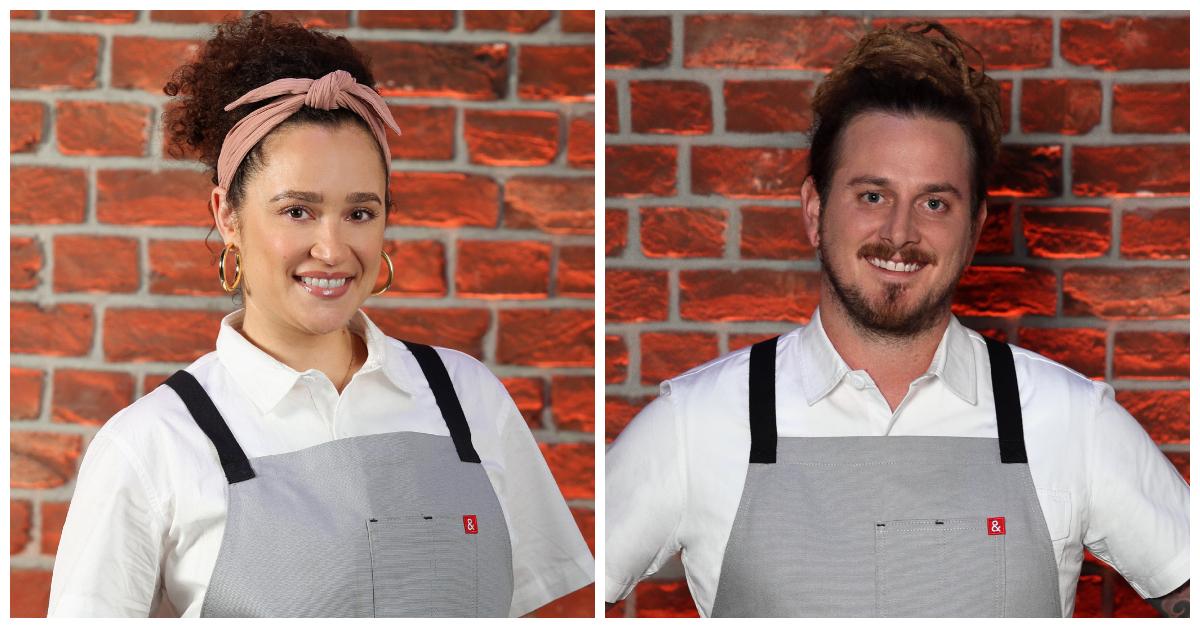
{"type": "Point", "coordinates": [336, 89]}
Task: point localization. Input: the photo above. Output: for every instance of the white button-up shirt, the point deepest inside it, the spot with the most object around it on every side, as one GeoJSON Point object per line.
{"type": "Point", "coordinates": [674, 476]}
{"type": "Point", "coordinates": [148, 513]}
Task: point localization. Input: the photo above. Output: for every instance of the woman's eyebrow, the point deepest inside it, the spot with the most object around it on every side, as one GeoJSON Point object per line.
{"type": "Point", "coordinates": [363, 197]}
{"type": "Point", "coordinates": [307, 197]}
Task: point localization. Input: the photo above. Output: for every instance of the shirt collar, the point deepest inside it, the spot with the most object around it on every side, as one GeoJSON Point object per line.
{"type": "Point", "coordinates": [265, 380]}
{"type": "Point", "coordinates": [822, 368]}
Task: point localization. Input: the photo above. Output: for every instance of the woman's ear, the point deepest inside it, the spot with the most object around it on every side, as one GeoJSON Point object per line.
{"type": "Point", "coordinates": [223, 215]}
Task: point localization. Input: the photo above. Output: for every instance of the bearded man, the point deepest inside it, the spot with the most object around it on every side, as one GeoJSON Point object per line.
{"type": "Point", "coordinates": [884, 460]}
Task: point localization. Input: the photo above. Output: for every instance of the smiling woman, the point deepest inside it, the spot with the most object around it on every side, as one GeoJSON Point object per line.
{"type": "Point", "coordinates": [310, 465]}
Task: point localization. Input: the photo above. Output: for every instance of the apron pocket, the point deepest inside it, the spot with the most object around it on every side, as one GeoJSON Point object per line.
{"type": "Point", "coordinates": [938, 568]}
{"type": "Point", "coordinates": [423, 566]}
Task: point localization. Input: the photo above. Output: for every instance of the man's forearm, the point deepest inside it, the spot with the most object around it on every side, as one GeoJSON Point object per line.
{"type": "Point", "coordinates": [1176, 603]}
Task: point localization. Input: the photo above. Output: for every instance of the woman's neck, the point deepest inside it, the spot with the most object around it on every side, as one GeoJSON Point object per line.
{"type": "Point", "coordinates": [337, 354]}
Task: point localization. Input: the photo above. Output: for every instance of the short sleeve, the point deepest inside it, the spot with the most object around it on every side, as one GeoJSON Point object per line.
{"type": "Point", "coordinates": [1138, 515]}
{"type": "Point", "coordinates": [644, 498]}
{"type": "Point", "coordinates": [550, 557]}
{"type": "Point", "coordinates": [112, 541]}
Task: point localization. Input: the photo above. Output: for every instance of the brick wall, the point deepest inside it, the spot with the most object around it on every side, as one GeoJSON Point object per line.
{"type": "Point", "coordinates": [113, 287]}
{"type": "Point", "coordinates": [1084, 257]}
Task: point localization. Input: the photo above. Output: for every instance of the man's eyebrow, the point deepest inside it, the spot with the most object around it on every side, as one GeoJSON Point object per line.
{"type": "Point", "coordinates": [868, 180]}
{"type": "Point", "coordinates": [936, 188]}
{"type": "Point", "coordinates": [363, 197]}
{"type": "Point", "coordinates": [307, 197]}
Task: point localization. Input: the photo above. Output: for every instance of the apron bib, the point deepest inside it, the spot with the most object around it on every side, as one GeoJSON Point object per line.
{"type": "Point", "coordinates": [402, 524]}
{"type": "Point", "coordinates": [891, 526]}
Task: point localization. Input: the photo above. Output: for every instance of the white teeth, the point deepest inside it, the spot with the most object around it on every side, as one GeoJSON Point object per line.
{"type": "Point", "coordinates": [893, 266]}
{"type": "Point", "coordinates": [324, 284]}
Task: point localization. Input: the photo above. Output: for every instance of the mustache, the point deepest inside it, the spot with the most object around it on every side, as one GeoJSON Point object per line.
{"type": "Point", "coordinates": [908, 255]}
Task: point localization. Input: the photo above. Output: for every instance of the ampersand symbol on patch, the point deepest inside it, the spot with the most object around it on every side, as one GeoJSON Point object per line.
{"type": "Point", "coordinates": [995, 526]}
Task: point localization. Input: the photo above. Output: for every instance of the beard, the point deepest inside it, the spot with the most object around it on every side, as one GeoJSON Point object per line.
{"type": "Point", "coordinates": [887, 317]}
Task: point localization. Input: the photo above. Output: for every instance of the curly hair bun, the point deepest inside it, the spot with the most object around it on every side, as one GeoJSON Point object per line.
{"type": "Point", "coordinates": [919, 51]}
{"type": "Point", "coordinates": [244, 54]}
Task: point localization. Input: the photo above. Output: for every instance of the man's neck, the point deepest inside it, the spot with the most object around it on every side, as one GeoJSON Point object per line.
{"type": "Point", "coordinates": [893, 363]}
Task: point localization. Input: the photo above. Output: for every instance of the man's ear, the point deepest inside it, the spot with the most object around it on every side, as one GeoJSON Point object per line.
{"type": "Point", "coordinates": [810, 204]}
{"type": "Point", "coordinates": [978, 222]}
{"type": "Point", "coordinates": [222, 211]}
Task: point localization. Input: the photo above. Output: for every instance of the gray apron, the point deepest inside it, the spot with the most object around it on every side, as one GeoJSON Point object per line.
{"type": "Point", "coordinates": [390, 525]}
{"type": "Point", "coordinates": [887, 526]}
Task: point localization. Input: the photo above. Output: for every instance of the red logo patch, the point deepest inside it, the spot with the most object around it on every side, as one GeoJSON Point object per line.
{"type": "Point", "coordinates": [995, 525]}
{"type": "Point", "coordinates": [470, 525]}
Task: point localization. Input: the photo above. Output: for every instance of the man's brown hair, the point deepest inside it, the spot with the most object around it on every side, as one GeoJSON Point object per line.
{"type": "Point", "coordinates": [919, 68]}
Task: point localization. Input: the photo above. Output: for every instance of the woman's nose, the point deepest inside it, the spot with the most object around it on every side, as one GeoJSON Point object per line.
{"type": "Point", "coordinates": [330, 245]}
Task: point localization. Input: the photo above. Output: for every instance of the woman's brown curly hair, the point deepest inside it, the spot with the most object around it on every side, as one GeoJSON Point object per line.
{"type": "Point", "coordinates": [918, 68]}
{"type": "Point", "coordinates": [244, 54]}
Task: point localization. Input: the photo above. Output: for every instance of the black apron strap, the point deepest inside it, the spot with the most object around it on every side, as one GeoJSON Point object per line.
{"type": "Point", "coordinates": [233, 459]}
{"type": "Point", "coordinates": [763, 436]}
{"type": "Point", "coordinates": [447, 401]}
{"type": "Point", "coordinates": [1008, 403]}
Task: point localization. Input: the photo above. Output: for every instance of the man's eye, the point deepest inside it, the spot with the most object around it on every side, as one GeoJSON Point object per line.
{"type": "Point", "coordinates": [295, 212]}
{"type": "Point", "coordinates": [935, 204]}
{"type": "Point", "coordinates": [872, 197]}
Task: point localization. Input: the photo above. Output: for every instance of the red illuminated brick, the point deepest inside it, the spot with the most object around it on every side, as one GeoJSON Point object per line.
{"type": "Point", "coordinates": [1143, 170]}
{"type": "Point", "coordinates": [616, 359]}
{"type": "Point", "coordinates": [577, 21]}
{"type": "Point", "coordinates": [768, 106]}
{"type": "Point", "coordinates": [683, 232]}
{"type": "Point", "coordinates": [747, 295]}
{"type": "Point", "coordinates": [748, 172]}
{"type": "Point", "coordinates": [1150, 108]}
{"type": "Point", "coordinates": [1066, 232]}
{"type": "Point", "coordinates": [25, 120]}
{"type": "Point", "coordinates": [526, 393]}
{"type": "Point", "coordinates": [546, 338]}
{"type": "Point", "coordinates": [677, 107]}
{"type": "Point", "coordinates": [29, 592]}
{"type": "Point", "coordinates": [667, 354]}
{"type": "Point", "coordinates": [511, 138]}
{"type": "Point", "coordinates": [635, 295]}
{"type": "Point", "coordinates": [1155, 233]}
{"type": "Point", "coordinates": [146, 62]}
{"type": "Point", "coordinates": [52, 61]}
{"type": "Point", "coordinates": [192, 17]}
{"type": "Point", "coordinates": [616, 232]}
{"type": "Point", "coordinates": [19, 521]}
{"type": "Point", "coordinates": [573, 403]}
{"type": "Point", "coordinates": [163, 198]}
{"type": "Point", "coordinates": [46, 195]}
{"type": "Point", "coordinates": [996, 237]}
{"type": "Point", "coordinates": [1163, 413]}
{"type": "Point", "coordinates": [439, 70]}
{"type": "Point", "coordinates": [95, 264]}
{"type": "Point", "coordinates": [768, 41]}
{"type": "Point", "coordinates": [428, 133]}
{"type": "Point", "coordinates": [409, 20]}
{"type": "Point", "coordinates": [1028, 171]}
{"type": "Point", "coordinates": [503, 269]}
{"type": "Point", "coordinates": [89, 397]}
{"type": "Point", "coordinates": [1067, 107]}
{"type": "Point", "coordinates": [573, 466]}
{"type": "Point", "coordinates": [632, 171]}
{"type": "Point", "coordinates": [551, 204]}
{"type": "Point", "coordinates": [154, 335]}
{"type": "Point", "coordinates": [738, 341]}
{"type": "Point", "coordinates": [54, 515]}
{"type": "Point", "coordinates": [556, 72]}
{"type": "Point", "coordinates": [102, 129]}
{"type": "Point", "coordinates": [510, 21]}
{"type": "Point", "coordinates": [1006, 91]}
{"type": "Point", "coordinates": [462, 329]}
{"type": "Point", "coordinates": [25, 396]}
{"type": "Point", "coordinates": [1005, 291]}
{"type": "Point", "coordinates": [95, 17]}
{"type": "Point", "coordinates": [42, 459]}
{"type": "Point", "coordinates": [1126, 43]}
{"type": "Point", "coordinates": [656, 598]}
{"type": "Point", "coordinates": [774, 233]}
{"type": "Point", "coordinates": [314, 19]}
{"type": "Point", "coordinates": [25, 256]}
{"type": "Point", "coordinates": [581, 142]}
{"type": "Point", "coordinates": [637, 42]}
{"type": "Point", "coordinates": [445, 199]}
{"type": "Point", "coordinates": [184, 267]}
{"type": "Point", "coordinates": [1126, 292]}
{"type": "Point", "coordinates": [1150, 355]}
{"type": "Point", "coordinates": [420, 268]}
{"type": "Point", "coordinates": [1082, 349]}
{"type": "Point", "coordinates": [576, 272]}
{"type": "Point", "coordinates": [612, 119]}
{"type": "Point", "coordinates": [64, 329]}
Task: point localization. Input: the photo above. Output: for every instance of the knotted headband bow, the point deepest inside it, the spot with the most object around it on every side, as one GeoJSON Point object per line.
{"type": "Point", "coordinates": [336, 89]}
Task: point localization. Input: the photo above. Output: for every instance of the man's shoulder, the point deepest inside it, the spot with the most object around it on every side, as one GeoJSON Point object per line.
{"type": "Point", "coordinates": [1040, 372]}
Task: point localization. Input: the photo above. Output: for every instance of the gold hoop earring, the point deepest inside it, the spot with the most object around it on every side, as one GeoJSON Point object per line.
{"type": "Point", "coordinates": [237, 269]}
{"type": "Point", "coordinates": [391, 274]}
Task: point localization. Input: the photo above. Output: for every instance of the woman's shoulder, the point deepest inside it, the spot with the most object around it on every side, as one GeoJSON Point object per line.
{"type": "Point", "coordinates": [158, 421]}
